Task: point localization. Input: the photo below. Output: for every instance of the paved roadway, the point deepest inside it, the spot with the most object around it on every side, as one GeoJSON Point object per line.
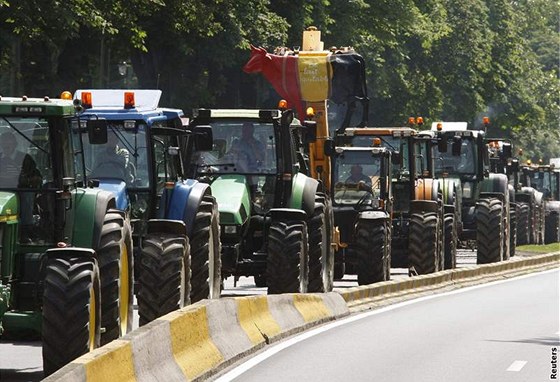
{"type": "Point", "coordinates": [503, 331]}
{"type": "Point", "coordinates": [22, 361]}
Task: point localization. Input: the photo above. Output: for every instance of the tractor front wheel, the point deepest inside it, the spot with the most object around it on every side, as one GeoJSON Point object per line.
{"type": "Point", "coordinates": [288, 258]}
{"type": "Point", "coordinates": [164, 275]}
{"type": "Point", "coordinates": [489, 230]}
{"type": "Point", "coordinates": [71, 311]}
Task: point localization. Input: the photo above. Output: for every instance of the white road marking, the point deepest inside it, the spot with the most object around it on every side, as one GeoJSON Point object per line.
{"type": "Point", "coordinates": [516, 366]}
{"type": "Point", "coordinates": [254, 361]}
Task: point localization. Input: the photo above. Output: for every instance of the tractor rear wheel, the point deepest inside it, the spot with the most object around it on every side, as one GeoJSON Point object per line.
{"type": "Point", "coordinates": [371, 251]}
{"type": "Point", "coordinates": [523, 220]}
{"type": "Point", "coordinates": [288, 258]}
{"type": "Point", "coordinates": [450, 243]}
{"type": "Point", "coordinates": [489, 230]}
{"type": "Point", "coordinates": [71, 311]}
{"type": "Point", "coordinates": [513, 207]}
{"type": "Point", "coordinates": [114, 255]}
{"type": "Point", "coordinates": [423, 242]}
{"type": "Point", "coordinates": [205, 249]}
{"type": "Point", "coordinates": [164, 275]}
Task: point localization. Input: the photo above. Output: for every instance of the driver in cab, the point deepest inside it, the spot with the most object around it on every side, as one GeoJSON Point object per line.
{"type": "Point", "coordinates": [112, 161]}
{"type": "Point", "coordinates": [358, 177]}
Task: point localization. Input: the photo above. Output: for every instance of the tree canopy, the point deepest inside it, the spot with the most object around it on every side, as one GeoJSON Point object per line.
{"type": "Point", "coordinates": [454, 60]}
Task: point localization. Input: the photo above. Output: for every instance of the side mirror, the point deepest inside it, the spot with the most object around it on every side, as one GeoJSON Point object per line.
{"type": "Point", "coordinates": [97, 131]}
{"type": "Point", "coordinates": [456, 146]}
{"type": "Point", "coordinates": [515, 166]}
{"type": "Point", "coordinates": [203, 137]}
{"type": "Point", "coordinates": [442, 144]}
{"type": "Point", "coordinates": [506, 148]}
{"type": "Point", "coordinates": [396, 158]}
{"type": "Point", "coordinates": [309, 134]}
{"type": "Point", "coordinates": [287, 117]}
{"type": "Point", "coordinates": [329, 147]}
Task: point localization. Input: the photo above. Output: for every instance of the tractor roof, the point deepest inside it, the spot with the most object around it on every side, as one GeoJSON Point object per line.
{"type": "Point", "coordinates": [377, 131]}
{"type": "Point", "coordinates": [110, 104]}
{"type": "Point", "coordinates": [35, 106]}
{"type": "Point", "coordinates": [235, 113]}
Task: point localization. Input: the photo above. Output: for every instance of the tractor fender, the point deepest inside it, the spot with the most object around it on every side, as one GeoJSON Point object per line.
{"type": "Point", "coordinates": [427, 189]}
{"type": "Point", "coordinates": [552, 206]}
{"type": "Point", "coordinates": [373, 215]}
{"type": "Point", "coordinates": [57, 253]}
{"type": "Point", "coordinates": [303, 194]}
{"type": "Point", "coordinates": [496, 185]}
{"type": "Point", "coordinates": [287, 214]}
{"type": "Point", "coordinates": [182, 202]}
{"type": "Point", "coordinates": [424, 206]}
{"type": "Point", "coordinates": [118, 188]}
{"type": "Point", "coordinates": [89, 208]}
{"type": "Point", "coordinates": [175, 227]}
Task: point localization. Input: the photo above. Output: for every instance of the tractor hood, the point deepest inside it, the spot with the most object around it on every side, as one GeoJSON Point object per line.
{"type": "Point", "coordinates": [232, 195]}
{"type": "Point", "coordinates": [118, 188]}
{"type": "Point", "coordinates": [8, 206]}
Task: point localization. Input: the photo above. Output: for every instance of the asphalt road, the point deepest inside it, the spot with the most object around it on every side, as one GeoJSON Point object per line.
{"type": "Point", "coordinates": [502, 331]}
{"type": "Point", "coordinates": [22, 360]}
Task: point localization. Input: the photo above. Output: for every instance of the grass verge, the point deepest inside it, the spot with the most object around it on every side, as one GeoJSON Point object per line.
{"type": "Point", "coordinates": [547, 248]}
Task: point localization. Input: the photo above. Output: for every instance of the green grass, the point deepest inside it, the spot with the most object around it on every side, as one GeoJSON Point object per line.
{"type": "Point", "coordinates": [548, 248]}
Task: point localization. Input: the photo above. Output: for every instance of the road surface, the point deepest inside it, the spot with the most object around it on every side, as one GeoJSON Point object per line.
{"type": "Point", "coordinates": [503, 331]}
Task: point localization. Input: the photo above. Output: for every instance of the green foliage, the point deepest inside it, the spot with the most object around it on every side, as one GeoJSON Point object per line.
{"type": "Point", "coordinates": [442, 59]}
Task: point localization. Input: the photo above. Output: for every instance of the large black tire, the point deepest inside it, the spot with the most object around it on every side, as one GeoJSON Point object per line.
{"type": "Point", "coordinates": [513, 207]}
{"type": "Point", "coordinates": [423, 242]}
{"type": "Point", "coordinates": [287, 262]}
{"type": "Point", "coordinates": [489, 230]}
{"type": "Point", "coordinates": [205, 249]}
{"type": "Point", "coordinates": [450, 241]}
{"type": "Point", "coordinates": [523, 220]}
{"type": "Point", "coordinates": [371, 251]}
{"type": "Point", "coordinates": [506, 235]}
{"type": "Point", "coordinates": [389, 227]}
{"type": "Point", "coordinates": [114, 254]}
{"type": "Point", "coordinates": [164, 275]}
{"type": "Point", "coordinates": [552, 228]}
{"type": "Point", "coordinates": [321, 272]}
{"type": "Point", "coordinates": [71, 311]}
{"type": "Point", "coordinates": [328, 262]}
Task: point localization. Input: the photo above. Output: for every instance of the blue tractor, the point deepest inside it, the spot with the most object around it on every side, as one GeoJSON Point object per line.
{"type": "Point", "coordinates": [135, 151]}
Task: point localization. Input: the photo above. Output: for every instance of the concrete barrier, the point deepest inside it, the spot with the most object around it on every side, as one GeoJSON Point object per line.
{"type": "Point", "coordinates": [199, 340]}
{"type": "Point", "coordinates": [387, 291]}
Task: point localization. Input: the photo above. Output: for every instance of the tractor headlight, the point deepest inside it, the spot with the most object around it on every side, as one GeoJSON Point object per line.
{"type": "Point", "coordinates": [230, 229]}
{"type": "Point", "coordinates": [467, 190]}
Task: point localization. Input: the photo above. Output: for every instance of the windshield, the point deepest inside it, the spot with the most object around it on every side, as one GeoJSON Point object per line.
{"type": "Point", "coordinates": [25, 159]}
{"type": "Point", "coordinates": [124, 156]}
{"type": "Point", "coordinates": [393, 144]}
{"type": "Point", "coordinates": [446, 162]}
{"type": "Point", "coordinates": [356, 177]}
{"type": "Point", "coordinates": [240, 147]}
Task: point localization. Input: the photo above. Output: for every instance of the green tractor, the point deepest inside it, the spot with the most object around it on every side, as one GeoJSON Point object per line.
{"type": "Point", "coordinates": [272, 217]}
{"type": "Point", "coordinates": [65, 268]}
{"type": "Point", "coordinates": [485, 199]}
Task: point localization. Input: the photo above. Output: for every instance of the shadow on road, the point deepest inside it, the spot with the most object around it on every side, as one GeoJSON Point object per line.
{"type": "Point", "coordinates": [546, 341]}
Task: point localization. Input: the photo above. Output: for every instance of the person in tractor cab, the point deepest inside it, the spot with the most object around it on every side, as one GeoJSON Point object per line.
{"type": "Point", "coordinates": [248, 150]}
{"type": "Point", "coordinates": [357, 175]}
{"type": "Point", "coordinates": [112, 161]}
{"type": "Point", "coordinates": [18, 169]}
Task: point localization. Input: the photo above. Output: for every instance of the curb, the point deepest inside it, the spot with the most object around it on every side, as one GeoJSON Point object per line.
{"type": "Point", "coordinates": [202, 339]}
{"type": "Point", "coordinates": [363, 297]}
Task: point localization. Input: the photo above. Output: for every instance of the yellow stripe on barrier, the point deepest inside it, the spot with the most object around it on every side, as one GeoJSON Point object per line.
{"type": "Point", "coordinates": [312, 308]}
{"type": "Point", "coordinates": [193, 349]}
{"type": "Point", "coordinates": [255, 318]}
{"type": "Point", "coordinates": [114, 364]}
